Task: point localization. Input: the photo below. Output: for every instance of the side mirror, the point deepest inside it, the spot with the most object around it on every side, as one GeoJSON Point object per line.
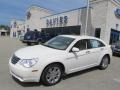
{"type": "Point", "coordinates": [74, 49]}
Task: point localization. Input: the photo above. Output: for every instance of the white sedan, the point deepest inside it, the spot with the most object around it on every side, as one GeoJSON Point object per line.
{"type": "Point", "coordinates": [61, 55]}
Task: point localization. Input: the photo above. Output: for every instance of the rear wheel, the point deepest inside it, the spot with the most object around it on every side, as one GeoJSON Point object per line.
{"type": "Point", "coordinates": [104, 63]}
{"type": "Point", "coordinates": [51, 75]}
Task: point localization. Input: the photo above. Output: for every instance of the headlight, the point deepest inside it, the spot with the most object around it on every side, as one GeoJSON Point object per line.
{"type": "Point", "coordinates": [28, 62]}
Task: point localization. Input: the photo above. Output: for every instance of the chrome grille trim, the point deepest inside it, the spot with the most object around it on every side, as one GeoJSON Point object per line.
{"type": "Point", "coordinates": [14, 59]}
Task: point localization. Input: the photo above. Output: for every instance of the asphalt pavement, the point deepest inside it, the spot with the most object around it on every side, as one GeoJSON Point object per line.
{"type": "Point", "coordinates": [91, 79]}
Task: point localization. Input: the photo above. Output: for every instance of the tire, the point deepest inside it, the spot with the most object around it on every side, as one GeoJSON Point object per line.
{"type": "Point", "coordinates": [51, 75]}
{"type": "Point", "coordinates": [28, 43]}
{"type": "Point", "coordinates": [36, 43]}
{"type": "Point", "coordinates": [104, 63]}
{"type": "Point", "coordinates": [23, 42]}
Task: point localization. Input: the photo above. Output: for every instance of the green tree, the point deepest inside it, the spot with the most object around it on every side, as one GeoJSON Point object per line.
{"type": "Point", "coordinates": [6, 27]}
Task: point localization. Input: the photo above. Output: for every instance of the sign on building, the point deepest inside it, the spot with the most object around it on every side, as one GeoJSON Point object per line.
{"type": "Point", "coordinates": [57, 21]}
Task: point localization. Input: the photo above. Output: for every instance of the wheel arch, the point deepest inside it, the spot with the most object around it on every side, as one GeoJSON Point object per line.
{"type": "Point", "coordinates": [108, 57]}
{"type": "Point", "coordinates": [59, 63]}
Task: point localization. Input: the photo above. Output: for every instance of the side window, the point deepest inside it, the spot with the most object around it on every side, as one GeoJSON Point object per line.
{"type": "Point", "coordinates": [101, 44]}
{"type": "Point", "coordinates": [96, 43]}
{"type": "Point", "coordinates": [82, 44]}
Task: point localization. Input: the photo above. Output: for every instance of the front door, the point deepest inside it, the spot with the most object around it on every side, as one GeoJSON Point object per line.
{"type": "Point", "coordinates": [79, 60]}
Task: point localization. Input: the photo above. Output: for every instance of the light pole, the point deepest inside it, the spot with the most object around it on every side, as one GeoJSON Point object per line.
{"type": "Point", "coordinates": [87, 15]}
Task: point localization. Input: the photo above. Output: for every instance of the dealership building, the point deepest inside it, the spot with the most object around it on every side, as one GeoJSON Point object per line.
{"type": "Point", "coordinates": [17, 28]}
{"type": "Point", "coordinates": [103, 20]}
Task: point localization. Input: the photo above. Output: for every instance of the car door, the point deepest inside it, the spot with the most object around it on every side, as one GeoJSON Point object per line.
{"type": "Point", "coordinates": [78, 60]}
{"type": "Point", "coordinates": [96, 49]}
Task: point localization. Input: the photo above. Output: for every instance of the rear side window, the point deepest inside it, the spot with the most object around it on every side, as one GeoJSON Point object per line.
{"type": "Point", "coordinates": [95, 43]}
{"type": "Point", "coordinates": [82, 44]}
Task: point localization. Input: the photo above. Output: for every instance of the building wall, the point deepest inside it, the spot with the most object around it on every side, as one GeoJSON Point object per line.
{"type": "Point", "coordinates": [73, 19]}
{"type": "Point", "coordinates": [34, 20]}
{"type": "Point", "coordinates": [113, 22]}
{"type": "Point", "coordinates": [99, 15]}
{"type": "Point", "coordinates": [89, 29]}
{"type": "Point", "coordinates": [103, 17]}
{"type": "Point", "coordinates": [17, 26]}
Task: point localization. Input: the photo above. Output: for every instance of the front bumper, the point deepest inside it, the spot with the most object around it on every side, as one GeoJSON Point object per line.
{"type": "Point", "coordinates": [116, 51]}
{"type": "Point", "coordinates": [23, 74]}
{"type": "Point", "coordinates": [29, 41]}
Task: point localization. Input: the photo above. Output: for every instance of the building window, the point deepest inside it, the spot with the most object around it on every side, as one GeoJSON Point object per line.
{"type": "Point", "coordinates": [15, 24]}
{"type": "Point", "coordinates": [117, 26]}
{"type": "Point", "coordinates": [115, 35]}
{"type": "Point", "coordinates": [28, 29]}
{"type": "Point", "coordinates": [97, 32]}
{"type": "Point", "coordinates": [28, 15]}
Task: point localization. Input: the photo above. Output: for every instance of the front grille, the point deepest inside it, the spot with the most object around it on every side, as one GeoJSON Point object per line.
{"type": "Point", "coordinates": [14, 59]}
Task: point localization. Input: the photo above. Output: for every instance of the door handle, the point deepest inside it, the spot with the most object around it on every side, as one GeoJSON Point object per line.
{"type": "Point", "coordinates": [102, 49]}
{"type": "Point", "coordinates": [87, 52]}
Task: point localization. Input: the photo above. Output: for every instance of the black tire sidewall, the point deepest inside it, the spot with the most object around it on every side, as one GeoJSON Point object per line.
{"type": "Point", "coordinates": [43, 77]}
{"type": "Point", "coordinates": [28, 43]}
{"type": "Point", "coordinates": [101, 65]}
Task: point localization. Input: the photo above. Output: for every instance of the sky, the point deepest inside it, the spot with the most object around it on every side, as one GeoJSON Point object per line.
{"type": "Point", "coordinates": [16, 9]}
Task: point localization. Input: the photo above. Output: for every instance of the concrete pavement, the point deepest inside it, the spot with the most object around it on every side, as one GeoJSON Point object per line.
{"type": "Point", "coordinates": [91, 79]}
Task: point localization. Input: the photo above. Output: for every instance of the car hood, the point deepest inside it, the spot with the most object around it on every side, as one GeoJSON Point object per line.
{"type": "Point", "coordinates": [38, 51]}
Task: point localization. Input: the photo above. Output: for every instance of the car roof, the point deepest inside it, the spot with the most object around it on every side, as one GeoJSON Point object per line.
{"type": "Point", "coordinates": [79, 37]}
{"type": "Point", "coordinates": [82, 37]}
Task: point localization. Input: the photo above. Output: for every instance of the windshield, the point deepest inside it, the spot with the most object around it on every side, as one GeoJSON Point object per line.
{"type": "Point", "coordinates": [59, 42]}
{"type": "Point", "coordinates": [30, 33]}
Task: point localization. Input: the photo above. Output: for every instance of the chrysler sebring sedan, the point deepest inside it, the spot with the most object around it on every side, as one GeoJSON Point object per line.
{"type": "Point", "coordinates": [61, 55]}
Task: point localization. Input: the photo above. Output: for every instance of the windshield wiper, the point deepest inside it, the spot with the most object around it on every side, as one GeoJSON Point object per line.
{"type": "Point", "coordinates": [48, 46]}
{"type": "Point", "coordinates": [52, 47]}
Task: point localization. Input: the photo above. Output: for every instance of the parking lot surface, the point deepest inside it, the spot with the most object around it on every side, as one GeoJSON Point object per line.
{"type": "Point", "coordinates": [91, 79]}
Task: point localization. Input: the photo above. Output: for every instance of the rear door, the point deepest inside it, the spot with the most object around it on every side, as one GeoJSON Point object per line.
{"type": "Point", "coordinates": [95, 48]}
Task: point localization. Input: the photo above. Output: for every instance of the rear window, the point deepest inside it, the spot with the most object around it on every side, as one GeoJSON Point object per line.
{"type": "Point", "coordinates": [95, 43]}
{"type": "Point", "coordinates": [30, 33]}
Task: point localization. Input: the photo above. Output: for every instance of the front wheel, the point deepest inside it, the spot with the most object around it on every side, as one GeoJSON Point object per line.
{"type": "Point", "coordinates": [104, 63]}
{"type": "Point", "coordinates": [51, 75]}
{"type": "Point", "coordinates": [28, 43]}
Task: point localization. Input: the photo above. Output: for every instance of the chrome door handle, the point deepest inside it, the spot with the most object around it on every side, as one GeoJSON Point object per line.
{"type": "Point", "coordinates": [102, 49]}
